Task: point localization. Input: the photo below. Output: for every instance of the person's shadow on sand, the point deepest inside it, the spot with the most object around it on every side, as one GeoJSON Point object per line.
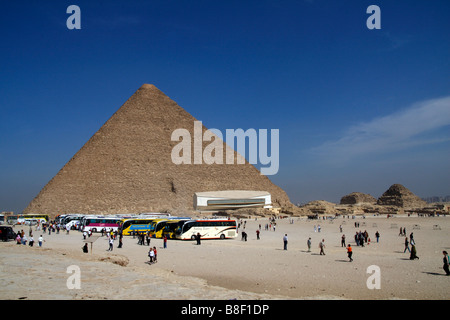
{"type": "Point", "coordinates": [434, 273]}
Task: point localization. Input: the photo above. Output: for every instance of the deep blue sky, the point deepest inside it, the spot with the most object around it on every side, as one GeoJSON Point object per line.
{"type": "Point", "coordinates": [357, 109]}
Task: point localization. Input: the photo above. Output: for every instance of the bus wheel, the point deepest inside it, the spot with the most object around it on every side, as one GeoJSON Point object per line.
{"type": "Point", "coordinates": [192, 237]}
{"type": "Point", "coordinates": [222, 236]}
{"type": "Point", "coordinates": [94, 230]}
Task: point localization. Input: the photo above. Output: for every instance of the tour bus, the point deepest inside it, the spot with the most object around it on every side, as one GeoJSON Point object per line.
{"type": "Point", "coordinates": [127, 226]}
{"type": "Point", "coordinates": [59, 218]}
{"type": "Point", "coordinates": [208, 229]}
{"type": "Point", "coordinates": [172, 228]}
{"type": "Point", "coordinates": [12, 220]}
{"type": "Point", "coordinates": [41, 218]}
{"type": "Point", "coordinates": [98, 223]}
{"type": "Point", "coordinates": [71, 220]}
{"type": "Point", "coordinates": [160, 227]}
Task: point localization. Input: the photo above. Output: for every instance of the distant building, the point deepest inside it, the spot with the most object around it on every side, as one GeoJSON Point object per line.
{"type": "Point", "coordinates": [231, 199]}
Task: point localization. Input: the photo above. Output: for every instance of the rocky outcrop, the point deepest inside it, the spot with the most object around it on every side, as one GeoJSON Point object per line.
{"type": "Point", "coordinates": [320, 207]}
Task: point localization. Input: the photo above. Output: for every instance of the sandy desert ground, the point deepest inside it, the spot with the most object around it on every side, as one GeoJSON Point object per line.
{"type": "Point", "coordinates": [236, 269]}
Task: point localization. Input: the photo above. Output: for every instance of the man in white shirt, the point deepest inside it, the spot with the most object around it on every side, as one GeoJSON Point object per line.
{"type": "Point", "coordinates": [111, 244]}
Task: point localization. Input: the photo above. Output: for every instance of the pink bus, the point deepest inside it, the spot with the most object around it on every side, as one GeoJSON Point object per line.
{"type": "Point", "coordinates": [97, 223]}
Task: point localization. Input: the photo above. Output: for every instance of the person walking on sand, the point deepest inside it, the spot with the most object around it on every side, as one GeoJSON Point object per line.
{"type": "Point", "coordinates": [156, 255]}
{"type": "Point", "coordinates": [308, 243]}
{"type": "Point", "coordinates": [413, 253]}
{"type": "Point", "coordinates": [165, 241]}
{"type": "Point", "coordinates": [322, 247]}
{"type": "Point", "coordinates": [446, 261]}
{"type": "Point", "coordinates": [198, 237]}
{"type": "Point", "coordinates": [343, 241]}
{"type": "Point", "coordinates": [350, 252]}
{"type": "Point", "coordinates": [40, 240]}
{"type": "Point", "coordinates": [111, 244]}
{"type": "Point", "coordinates": [406, 245]}
{"type": "Point", "coordinates": [377, 235]}
{"type": "Point", "coordinates": [285, 241]}
{"type": "Point", "coordinates": [151, 255]}
{"type": "Point", "coordinates": [31, 241]}
{"type": "Point", "coordinates": [257, 234]}
{"type": "Point", "coordinates": [120, 241]}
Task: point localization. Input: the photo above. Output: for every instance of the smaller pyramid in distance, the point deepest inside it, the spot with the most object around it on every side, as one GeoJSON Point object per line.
{"type": "Point", "coordinates": [358, 198]}
{"type": "Point", "coordinates": [126, 166]}
{"type": "Point", "coordinates": [398, 195]}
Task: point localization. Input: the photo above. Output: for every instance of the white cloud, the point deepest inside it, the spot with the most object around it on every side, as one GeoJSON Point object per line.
{"type": "Point", "coordinates": [398, 131]}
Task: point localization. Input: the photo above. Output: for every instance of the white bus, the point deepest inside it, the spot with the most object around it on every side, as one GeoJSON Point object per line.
{"type": "Point", "coordinates": [71, 220]}
{"type": "Point", "coordinates": [32, 218]}
{"type": "Point", "coordinates": [98, 223]}
{"type": "Point", "coordinates": [208, 229]}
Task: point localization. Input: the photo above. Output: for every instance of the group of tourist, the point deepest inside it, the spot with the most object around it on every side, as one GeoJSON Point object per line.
{"type": "Point", "coordinates": [153, 255]}
{"type": "Point", "coordinates": [412, 251]}
{"type": "Point", "coordinates": [363, 237]}
{"type": "Point", "coordinates": [143, 238]}
{"type": "Point", "coordinates": [22, 239]}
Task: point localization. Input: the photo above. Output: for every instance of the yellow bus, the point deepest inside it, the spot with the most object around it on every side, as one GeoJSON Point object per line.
{"type": "Point", "coordinates": [42, 218]}
{"type": "Point", "coordinates": [165, 226]}
{"type": "Point", "coordinates": [153, 225]}
{"type": "Point", "coordinates": [138, 225]}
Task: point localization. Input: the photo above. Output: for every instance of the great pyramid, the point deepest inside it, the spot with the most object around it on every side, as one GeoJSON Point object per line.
{"type": "Point", "coordinates": [126, 166]}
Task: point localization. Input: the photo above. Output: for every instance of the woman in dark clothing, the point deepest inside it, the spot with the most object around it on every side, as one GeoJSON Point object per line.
{"type": "Point", "coordinates": [413, 253]}
{"type": "Point", "coordinates": [446, 263]}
